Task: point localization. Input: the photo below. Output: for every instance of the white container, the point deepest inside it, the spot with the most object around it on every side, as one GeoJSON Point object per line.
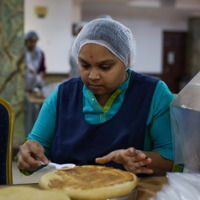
{"type": "Point", "coordinates": [185, 122]}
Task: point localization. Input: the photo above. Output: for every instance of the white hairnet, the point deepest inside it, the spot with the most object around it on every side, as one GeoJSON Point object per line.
{"type": "Point", "coordinates": [110, 34]}
{"type": "Point", "coordinates": [31, 34]}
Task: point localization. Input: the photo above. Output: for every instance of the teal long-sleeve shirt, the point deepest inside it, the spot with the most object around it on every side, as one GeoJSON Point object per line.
{"type": "Point", "coordinates": [158, 130]}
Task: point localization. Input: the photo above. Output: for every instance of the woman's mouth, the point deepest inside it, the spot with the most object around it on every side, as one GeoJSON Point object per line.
{"type": "Point", "coordinates": [94, 87]}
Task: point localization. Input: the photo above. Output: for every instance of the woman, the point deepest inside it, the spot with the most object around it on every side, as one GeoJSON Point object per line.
{"type": "Point", "coordinates": [35, 62]}
{"type": "Point", "coordinates": [110, 115]}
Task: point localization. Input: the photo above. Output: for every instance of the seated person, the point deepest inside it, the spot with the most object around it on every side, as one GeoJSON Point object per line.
{"type": "Point", "coordinates": [109, 115]}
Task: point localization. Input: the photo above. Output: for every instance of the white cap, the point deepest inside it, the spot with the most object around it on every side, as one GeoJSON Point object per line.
{"type": "Point", "coordinates": [111, 34]}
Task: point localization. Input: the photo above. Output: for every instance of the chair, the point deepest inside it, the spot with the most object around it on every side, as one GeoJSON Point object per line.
{"type": "Point", "coordinates": [6, 141]}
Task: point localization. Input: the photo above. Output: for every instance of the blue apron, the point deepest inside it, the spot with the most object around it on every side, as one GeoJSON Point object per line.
{"type": "Point", "coordinates": [76, 141]}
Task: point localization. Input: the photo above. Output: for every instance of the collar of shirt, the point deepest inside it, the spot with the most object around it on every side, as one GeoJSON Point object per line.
{"type": "Point", "coordinates": [93, 112]}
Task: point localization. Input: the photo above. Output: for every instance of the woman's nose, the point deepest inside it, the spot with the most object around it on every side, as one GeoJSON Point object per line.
{"type": "Point", "coordinates": [94, 74]}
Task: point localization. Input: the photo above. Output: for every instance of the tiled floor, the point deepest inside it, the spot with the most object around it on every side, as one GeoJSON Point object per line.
{"type": "Point", "coordinates": [19, 178]}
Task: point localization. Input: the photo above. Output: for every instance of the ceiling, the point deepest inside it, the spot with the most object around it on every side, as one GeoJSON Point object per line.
{"type": "Point", "coordinates": [183, 8]}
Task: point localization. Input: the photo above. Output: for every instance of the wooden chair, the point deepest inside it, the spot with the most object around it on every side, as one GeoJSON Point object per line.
{"type": "Point", "coordinates": [6, 141]}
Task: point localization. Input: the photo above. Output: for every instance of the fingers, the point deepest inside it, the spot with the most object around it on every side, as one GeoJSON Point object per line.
{"type": "Point", "coordinates": [118, 156]}
{"type": "Point", "coordinates": [139, 167]}
{"type": "Point", "coordinates": [140, 170]}
{"type": "Point", "coordinates": [30, 154]}
{"type": "Point", "coordinates": [130, 151]}
{"type": "Point", "coordinates": [124, 156]}
{"type": "Point", "coordinates": [142, 162]}
{"type": "Point", "coordinates": [138, 156]}
{"type": "Point", "coordinates": [107, 158]}
{"type": "Point", "coordinates": [133, 160]}
{"type": "Point", "coordinates": [101, 160]}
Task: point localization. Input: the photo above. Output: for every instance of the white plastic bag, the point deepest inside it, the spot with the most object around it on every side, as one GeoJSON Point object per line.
{"type": "Point", "coordinates": [185, 123]}
{"type": "Point", "coordinates": [182, 186]}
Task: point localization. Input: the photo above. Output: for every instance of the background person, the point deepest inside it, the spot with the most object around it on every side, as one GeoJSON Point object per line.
{"type": "Point", "coordinates": [73, 62]}
{"type": "Point", "coordinates": [35, 62]}
{"type": "Point", "coordinates": [110, 115]}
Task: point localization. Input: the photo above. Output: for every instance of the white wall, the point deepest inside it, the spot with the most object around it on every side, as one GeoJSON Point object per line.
{"type": "Point", "coordinates": [147, 28]}
{"type": "Point", "coordinates": [148, 34]}
{"type": "Point", "coordinates": [54, 31]}
{"type": "Point", "coordinates": [56, 39]}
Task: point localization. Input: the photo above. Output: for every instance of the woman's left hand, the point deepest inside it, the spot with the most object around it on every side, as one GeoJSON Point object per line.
{"type": "Point", "coordinates": [132, 160]}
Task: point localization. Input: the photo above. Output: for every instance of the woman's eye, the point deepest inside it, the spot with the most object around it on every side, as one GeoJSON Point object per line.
{"type": "Point", "coordinates": [105, 67]}
{"type": "Point", "coordinates": [84, 66]}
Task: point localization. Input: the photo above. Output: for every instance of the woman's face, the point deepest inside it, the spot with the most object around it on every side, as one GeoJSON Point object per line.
{"type": "Point", "coordinates": [31, 43]}
{"type": "Point", "coordinates": [101, 71]}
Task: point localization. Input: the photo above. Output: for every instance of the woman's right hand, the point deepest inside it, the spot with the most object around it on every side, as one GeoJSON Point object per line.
{"type": "Point", "coordinates": [29, 156]}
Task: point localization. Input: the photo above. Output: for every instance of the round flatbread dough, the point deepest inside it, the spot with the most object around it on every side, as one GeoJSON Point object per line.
{"type": "Point", "coordinates": [90, 182]}
{"type": "Point", "coordinates": [30, 193]}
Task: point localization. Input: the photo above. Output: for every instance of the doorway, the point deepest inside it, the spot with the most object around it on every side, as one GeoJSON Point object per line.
{"type": "Point", "coordinates": [174, 59]}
